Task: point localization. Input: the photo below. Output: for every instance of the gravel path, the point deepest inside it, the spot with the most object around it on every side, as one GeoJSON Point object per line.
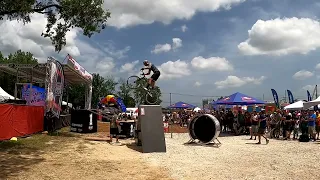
{"type": "Point", "coordinates": [238, 158]}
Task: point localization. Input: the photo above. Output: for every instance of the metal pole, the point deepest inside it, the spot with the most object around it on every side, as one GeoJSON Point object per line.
{"type": "Point", "coordinates": [15, 85]}
{"type": "Point", "coordinates": [170, 114]}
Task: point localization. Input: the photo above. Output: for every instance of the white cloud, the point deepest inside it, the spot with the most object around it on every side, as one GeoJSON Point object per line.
{"type": "Point", "coordinates": [197, 83]}
{"type": "Point", "coordinates": [176, 43]}
{"type": "Point", "coordinates": [234, 81]}
{"type": "Point", "coordinates": [282, 37]}
{"type": "Point", "coordinates": [110, 49]}
{"type": "Point", "coordinates": [126, 13]}
{"type": "Point", "coordinates": [129, 67]}
{"type": "Point", "coordinates": [15, 35]}
{"type": "Point", "coordinates": [318, 66]}
{"type": "Point", "coordinates": [309, 88]}
{"type": "Point", "coordinates": [184, 28]}
{"type": "Point", "coordinates": [212, 63]}
{"type": "Point", "coordinates": [174, 69]}
{"type": "Point", "coordinates": [302, 75]}
{"type": "Point", "coordinates": [161, 48]}
{"type": "Point", "coordinates": [105, 66]}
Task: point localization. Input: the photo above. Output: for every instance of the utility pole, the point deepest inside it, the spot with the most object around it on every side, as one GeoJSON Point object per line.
{"type": "Point", "coordinates": [170, 114]}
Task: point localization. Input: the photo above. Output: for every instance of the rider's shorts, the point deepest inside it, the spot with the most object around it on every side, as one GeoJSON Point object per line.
{"type": "Point", "coordinates": [155, 75]}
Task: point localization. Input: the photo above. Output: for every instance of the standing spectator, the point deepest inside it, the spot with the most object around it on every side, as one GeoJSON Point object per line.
{"type": "Point", "coordinates": [254, 126]}
{"type": "Point", "coordinates": [286, 126]}
{"type": "Point", "coordinates": [318, 124]}
{"type": "Point", "coordinates": [296, 129]}
{"type": "Point", "coordinates": [262, 127]}
{"type": "Point", "coordinates": [312, 125]}
{"type": "Point", "coordinates": [114, 131]}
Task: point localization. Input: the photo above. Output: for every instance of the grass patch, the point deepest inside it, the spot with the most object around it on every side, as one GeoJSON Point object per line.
{"type": "Point", "coordinates": [38, 142]}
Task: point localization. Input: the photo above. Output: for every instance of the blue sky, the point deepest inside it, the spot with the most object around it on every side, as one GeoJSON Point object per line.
{"type": "Point", "coordinates": [214, 56]}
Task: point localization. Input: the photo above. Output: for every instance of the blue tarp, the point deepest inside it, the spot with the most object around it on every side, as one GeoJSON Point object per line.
{"type": "Point", "coordinates": [181, 105]}
{"type": "Point", "coordinates": [239, 99]}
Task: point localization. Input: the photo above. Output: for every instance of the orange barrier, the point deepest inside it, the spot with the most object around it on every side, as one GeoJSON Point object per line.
{"type": "Point", "coordinates": [20, 120]}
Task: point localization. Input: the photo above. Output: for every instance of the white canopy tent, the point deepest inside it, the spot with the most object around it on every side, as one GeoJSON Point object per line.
{"type": "Point", "coordinates": [197, 109]}
{"type": "Point", "coordinates": [4, 95]}
{"type": "Point", "coordinates": [312, 103]}
{"type": "Point", "coordinates": [299, 105]}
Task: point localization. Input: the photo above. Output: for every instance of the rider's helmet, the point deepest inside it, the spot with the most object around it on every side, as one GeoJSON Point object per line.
{"type": "Point", "coordinates": [146, 62]}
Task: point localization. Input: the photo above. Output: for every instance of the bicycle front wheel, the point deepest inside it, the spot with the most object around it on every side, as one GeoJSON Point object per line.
{"type": "Point", "coordinates": [152, 97]}
{"type": "Point", "coordinates": [132, 81]}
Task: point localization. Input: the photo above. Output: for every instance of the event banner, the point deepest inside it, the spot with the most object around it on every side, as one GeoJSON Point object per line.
{"type": "Point", "coordinates": [290, 96]}
{"type": "Point", "coordinates": [275, 98]}
{"type": "Point", "coordinates": [309, 96]}
{"type": "Point", "coordinates": [35, 96]}
{"type": "Point", "coordinates": [74, 64]}
{"type": "Point", "coordinates": [55, 86]}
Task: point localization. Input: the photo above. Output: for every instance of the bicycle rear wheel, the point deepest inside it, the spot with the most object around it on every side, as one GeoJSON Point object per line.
{"type": "Point", "coordinates": [152, 97]}
{"type": "Point", "coordinates": [132, 81]}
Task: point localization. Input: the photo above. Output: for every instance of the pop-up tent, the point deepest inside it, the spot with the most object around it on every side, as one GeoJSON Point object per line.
{"type": "Point", "coordinates": [181, 105]}
{"type": "Point", "coordinates": [238, 99]}
{"type": "Point", "coordinates": [299, 105]}
{"type": "Point", "coordinates": [4, 95]}
{"type": "Point", "coordinates": [312, 103]}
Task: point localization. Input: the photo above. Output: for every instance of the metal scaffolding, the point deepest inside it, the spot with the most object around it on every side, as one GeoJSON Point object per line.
{"type": "Point", "coordinates": [36, 73]}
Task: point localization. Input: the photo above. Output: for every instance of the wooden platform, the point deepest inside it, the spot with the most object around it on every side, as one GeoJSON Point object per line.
{"type": "Point", "coordinates": [97, 138]}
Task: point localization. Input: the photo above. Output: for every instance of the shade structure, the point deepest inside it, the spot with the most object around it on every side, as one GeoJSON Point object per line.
{"type": "Point", "coordinates": [299, 105]}
{"type": "Point", "coordinates": [239, 99]}
{"type": "Point", "coordinates": [312, 103]}
{"type": "Point", "coordinates": [181, 105]}
{"type": "Point", "coordinates": [4, 95]}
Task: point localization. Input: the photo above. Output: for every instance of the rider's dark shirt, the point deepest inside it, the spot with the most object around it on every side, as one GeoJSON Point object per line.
{"type": "Point", "coordinates": [153, 68]}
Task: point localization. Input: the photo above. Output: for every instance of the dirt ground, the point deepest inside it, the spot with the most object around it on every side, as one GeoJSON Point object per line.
{"type": "Point", "coordinates": [69, 156]}
{"type": "Point", "coordinates": [65, 157]}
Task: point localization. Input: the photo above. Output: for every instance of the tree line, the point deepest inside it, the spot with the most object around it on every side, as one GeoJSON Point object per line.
{"type": "Point", "coordinates": [101, 86]}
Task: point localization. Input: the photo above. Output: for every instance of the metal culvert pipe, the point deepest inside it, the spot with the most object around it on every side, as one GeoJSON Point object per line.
{"type": "Point", "coordinates": [205, 128]}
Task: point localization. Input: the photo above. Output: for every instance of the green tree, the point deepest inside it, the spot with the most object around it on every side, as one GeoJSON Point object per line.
{"type": "Point", "coordinates": [102, 87]}
{"type": "Point", "coordinates": [140, 93]}
{"type": "Point", "coordinates": [76, 95]}
{"type": "Point", "coordinates": [20, 57]}
{"type": "Point", "coordinates": [62, 16]}
{"type": "Point", "coordinates": [125, 92]}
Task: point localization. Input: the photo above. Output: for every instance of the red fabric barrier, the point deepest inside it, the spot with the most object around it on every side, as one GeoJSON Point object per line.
{"type": "Point", "coordinates": [20, 120]}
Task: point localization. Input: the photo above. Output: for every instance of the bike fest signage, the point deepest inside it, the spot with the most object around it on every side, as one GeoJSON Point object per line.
{"type": "Point", "coordinates": [55, 86]}
{"type": "Point", "coordinates": [76, 66]}
{"type": "Point", "coordinates": [35, 96]}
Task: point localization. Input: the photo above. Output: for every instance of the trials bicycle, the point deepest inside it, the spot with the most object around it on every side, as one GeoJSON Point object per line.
{"type": "Point", "coordinates": [136, 82]}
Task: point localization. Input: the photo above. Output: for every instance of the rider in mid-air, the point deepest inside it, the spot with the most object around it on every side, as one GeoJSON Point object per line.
{"type": "Point", "coordinates": [155, 75]}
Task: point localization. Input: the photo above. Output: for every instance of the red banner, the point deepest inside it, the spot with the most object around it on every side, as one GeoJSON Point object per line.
{"type": "Point", "coordinates": [20, 120]}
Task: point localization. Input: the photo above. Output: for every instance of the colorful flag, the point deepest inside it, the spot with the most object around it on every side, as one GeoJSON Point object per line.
{"type": "Point", "coordinates": [275, 98]}
{"type": "Point", "coordinates": [309, 96]}
{"type": "Point", "coordinates": [290, 96]}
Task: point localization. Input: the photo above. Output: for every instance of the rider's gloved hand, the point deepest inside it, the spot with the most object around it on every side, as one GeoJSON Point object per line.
{"type": "Point", "coordinates": [141, 69]}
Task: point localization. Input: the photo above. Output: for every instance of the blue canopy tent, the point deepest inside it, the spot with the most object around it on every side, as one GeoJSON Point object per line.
{"type": "Point", "coordinates": [181, 105]}
{"type": "Point", "coordinates": [239, 99]}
